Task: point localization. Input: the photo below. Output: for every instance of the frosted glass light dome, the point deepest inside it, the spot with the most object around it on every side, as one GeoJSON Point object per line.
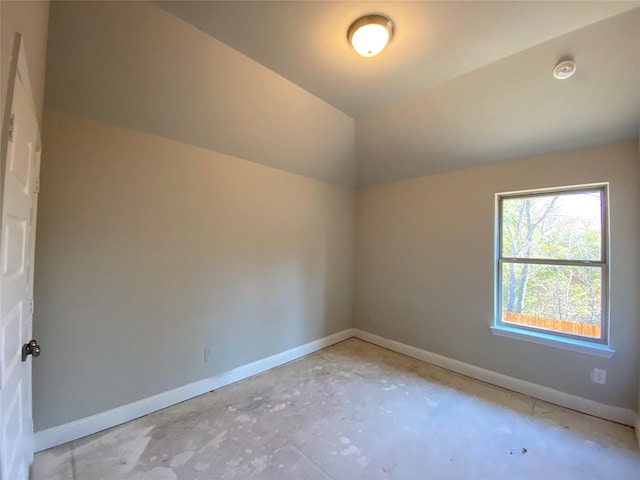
{"type": "Point", "coordinates": [370, 34]}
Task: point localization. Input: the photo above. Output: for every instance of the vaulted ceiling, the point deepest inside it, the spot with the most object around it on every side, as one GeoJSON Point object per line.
{"type": "Point", "coordinates": [435, 41]}
{"type": "Point", "coordinates": [461, 84]}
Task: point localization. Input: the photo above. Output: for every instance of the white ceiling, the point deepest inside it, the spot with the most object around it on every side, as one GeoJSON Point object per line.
{"type": "Point", "coordinates": [461, 85]}
{"type": "Point", "coordinates": [512, 108]}
{"type": "Point", "coordinates": [435, 41]}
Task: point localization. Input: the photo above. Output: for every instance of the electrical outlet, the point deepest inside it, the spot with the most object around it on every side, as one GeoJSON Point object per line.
{"type": "Point", "coordinates": [599, 376]}
{"type": "Point", "coordinates": [207, 354]}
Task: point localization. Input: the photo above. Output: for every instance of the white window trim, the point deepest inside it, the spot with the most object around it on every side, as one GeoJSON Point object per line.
{"type": "Point", "coordinates": [551, 340]}
{"type": "Point", "coordinates": [598, 347]}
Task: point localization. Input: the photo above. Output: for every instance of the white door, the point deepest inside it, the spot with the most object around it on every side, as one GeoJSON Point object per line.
{"type": "Point", "coordinates": [17, 243]}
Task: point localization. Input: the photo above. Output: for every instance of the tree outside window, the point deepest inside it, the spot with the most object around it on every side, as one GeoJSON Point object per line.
{"type": "Point", "coordinates": [552, 265]}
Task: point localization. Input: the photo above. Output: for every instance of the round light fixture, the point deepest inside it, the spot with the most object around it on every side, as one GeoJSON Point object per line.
{"type": "Point", "coordinates": [564, 69]}
{"type": "Point", "coordinates": [370, 34]}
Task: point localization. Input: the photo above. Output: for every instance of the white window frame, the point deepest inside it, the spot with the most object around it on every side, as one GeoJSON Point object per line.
{"type": "Point", "coordinates": [596, 346]}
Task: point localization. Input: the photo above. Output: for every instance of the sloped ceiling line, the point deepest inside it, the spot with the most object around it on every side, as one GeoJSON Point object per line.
{"type": "Point", "coordinates": [461, 85]}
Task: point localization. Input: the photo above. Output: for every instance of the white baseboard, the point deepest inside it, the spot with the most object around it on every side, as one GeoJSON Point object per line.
{"type": "Point", "coordinates": [60, 434]}
{"type": "Point", "coordinates": [608, 412]}
{"type": "Point", "coordinates": [67, 432]}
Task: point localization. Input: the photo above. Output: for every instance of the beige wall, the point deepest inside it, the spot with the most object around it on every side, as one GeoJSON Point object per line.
{"type": "Point", "coordinates": [425, 262]}
{"type": "Point", "coordinates": [30, 18]}
{"type": "Point", "coordinates": [151, 248]}
{"type": "Point", "coordinates": [148, 250]}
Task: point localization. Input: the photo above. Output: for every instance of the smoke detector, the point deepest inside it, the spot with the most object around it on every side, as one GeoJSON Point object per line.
{"type": "Point", "coordinates": [564, 69]}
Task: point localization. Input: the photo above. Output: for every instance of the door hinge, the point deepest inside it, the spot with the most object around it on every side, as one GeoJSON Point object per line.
{"type": "Point", "coordinates": [36, 188]}
{"type": "Point", "coordinates": [12, 126]}
{"type": "Point", "coordinates": [30, 306]}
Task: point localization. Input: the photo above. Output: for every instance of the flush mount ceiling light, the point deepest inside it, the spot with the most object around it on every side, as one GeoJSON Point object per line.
{"type": "Point", "coordinates": [370, 34]}
{"type": "Point", "coordinates": [564, 69]}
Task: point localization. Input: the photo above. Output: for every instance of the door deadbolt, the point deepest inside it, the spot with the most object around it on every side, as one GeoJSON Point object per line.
{"type": "Point", "coordinates": [31, 348]}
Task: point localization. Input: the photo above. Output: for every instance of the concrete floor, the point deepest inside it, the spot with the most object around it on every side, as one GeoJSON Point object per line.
{"type": "Point", "coordinates": [351, 411]}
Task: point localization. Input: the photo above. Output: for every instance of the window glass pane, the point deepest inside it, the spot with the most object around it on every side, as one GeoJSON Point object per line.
{"type": "Point", "coordinates": [553, 297]}
{"type": "Point", "coordinates": [566, 226]}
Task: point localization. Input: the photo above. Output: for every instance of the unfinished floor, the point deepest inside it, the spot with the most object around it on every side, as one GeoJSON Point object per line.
{"type": "Point", "coordinates": [353, 410]}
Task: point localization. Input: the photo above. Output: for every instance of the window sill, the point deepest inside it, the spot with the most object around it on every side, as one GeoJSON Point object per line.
{"type": "Point", "coordinates": [553, 341]}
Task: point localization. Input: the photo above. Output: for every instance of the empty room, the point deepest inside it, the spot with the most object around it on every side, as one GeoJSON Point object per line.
{"type": "Point", "coordinates": [320, 239]}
